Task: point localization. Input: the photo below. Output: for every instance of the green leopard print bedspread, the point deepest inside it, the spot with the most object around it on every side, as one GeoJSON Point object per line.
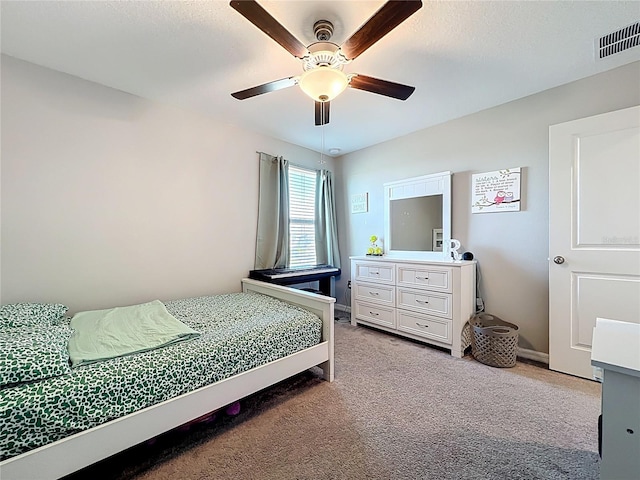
{"type": "Point", "coordinates": [239, 332]}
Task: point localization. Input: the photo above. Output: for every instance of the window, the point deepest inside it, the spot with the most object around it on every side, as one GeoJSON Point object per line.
{"type": "Point", "coordinates": [302, 199]}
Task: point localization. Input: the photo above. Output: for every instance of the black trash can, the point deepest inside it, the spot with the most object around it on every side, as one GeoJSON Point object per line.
{"type": "Point", "coordinates": [494, 342]}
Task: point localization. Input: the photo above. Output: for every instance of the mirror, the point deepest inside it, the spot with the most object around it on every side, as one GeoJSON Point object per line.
{"type": "Point", "coordinates": [418, 217]}
{"type": "Point", "coordinates": [411, 218]}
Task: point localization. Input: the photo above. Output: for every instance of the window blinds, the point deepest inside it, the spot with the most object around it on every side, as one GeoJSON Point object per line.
{"type": "Point", "coordinates": [302, 195]}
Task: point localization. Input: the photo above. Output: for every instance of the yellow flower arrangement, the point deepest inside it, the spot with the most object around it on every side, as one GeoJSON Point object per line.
{"type": "Point", "coordinates": [374, 249]}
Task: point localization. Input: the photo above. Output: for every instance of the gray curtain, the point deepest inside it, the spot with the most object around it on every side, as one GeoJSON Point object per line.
{"type": "Point", "coordinates": [272, 243]}
{"type": "Point", "coordinates": [326, 230]}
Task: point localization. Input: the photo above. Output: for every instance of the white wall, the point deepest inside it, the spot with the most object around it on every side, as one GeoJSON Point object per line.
{"type": "Point", "coordinates": [109, 199]}
{"type": "Point", "coordinates": [512, 248]}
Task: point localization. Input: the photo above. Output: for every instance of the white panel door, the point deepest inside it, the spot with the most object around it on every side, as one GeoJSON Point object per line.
{"type": "Point", "coordinates": [594, 232]}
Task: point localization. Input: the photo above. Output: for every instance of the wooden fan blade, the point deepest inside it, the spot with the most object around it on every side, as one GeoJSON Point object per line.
{"type": "Point", "coordinates": [390, 15]}
{"type": "Point", "coordinates": [266, 88]}
{"type": "Point", "coordinates": [322, 113]}
{"type": "Point", "coordinates": [257, 15]}
{"type": "Point", "coordinates": [381, 87]}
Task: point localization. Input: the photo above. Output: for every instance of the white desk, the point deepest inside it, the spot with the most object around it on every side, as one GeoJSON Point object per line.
{"type": "Point", "coordinates": [616, 349]}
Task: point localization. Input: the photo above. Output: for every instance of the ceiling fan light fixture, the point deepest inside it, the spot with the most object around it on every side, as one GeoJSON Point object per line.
{"type": "Point", "coordinates": [323, 84]}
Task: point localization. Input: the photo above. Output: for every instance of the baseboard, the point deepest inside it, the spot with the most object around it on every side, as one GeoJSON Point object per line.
{"type": "Point", "coordinates": [342, 308]}
{"type": "Point", "coordinates": [522, 352]}
{"type": "Point", "coordinates": [533, 355]}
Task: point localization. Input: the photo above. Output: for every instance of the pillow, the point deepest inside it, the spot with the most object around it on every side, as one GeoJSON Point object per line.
{"type": "Point", "coordinates": [30, 314]}
{"type": "Point", "coordinates": [33, 353]}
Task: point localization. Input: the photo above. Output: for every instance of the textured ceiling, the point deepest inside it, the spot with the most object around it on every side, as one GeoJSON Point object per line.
{"type": "Point", "coordinates": [462, 57]}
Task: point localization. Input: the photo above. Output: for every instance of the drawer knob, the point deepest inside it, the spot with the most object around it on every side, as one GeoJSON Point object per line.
{"type": "Point", "coordinates": [421, 325]}
{"type": "Point", "coordinates": [374, 293]}
{"type": "Point", "coordinates": [374, 313]}
{"type": "Point", "coordinates": [375, 273]}
{"type": "Point", "coordinates": [422, 278]}
{"type": "Point", "coordinates": [421, 301]}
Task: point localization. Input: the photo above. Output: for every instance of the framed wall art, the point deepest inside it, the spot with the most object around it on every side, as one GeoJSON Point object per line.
{"type": "Point", "coordinates": [497, 191]}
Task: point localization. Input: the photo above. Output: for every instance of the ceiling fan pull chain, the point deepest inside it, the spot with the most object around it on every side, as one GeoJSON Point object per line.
{"type": "Point", "coordinates": [322, 162]}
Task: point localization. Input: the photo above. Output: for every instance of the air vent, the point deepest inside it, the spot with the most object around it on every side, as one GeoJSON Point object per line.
{"type": "Point", "coordinates": [619, 41]}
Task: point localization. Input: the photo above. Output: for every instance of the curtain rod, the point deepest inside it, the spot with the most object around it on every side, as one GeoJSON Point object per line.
{"type": "Point", "coordinates": [265, 153]}
{"type": "Point", "coordinates": [291, 163]}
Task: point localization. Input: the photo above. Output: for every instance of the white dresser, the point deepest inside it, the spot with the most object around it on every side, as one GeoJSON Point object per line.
{"type": "Point", "coordinates": [429, 301]}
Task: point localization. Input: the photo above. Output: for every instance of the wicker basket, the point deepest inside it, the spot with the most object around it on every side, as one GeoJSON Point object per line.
{"type": "Point", "coordinates": [494, 342]}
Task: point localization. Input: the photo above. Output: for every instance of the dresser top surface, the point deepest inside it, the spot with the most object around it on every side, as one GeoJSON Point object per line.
{"type": "Point", "coordinates": [392, 259]}
{"type": "Point", "coordinates": [616, 344]}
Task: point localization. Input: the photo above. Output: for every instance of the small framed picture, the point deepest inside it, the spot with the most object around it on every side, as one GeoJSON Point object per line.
{"type": "Point", "coordinates": [360, 203]}
{"type": "Point", "coordinates": [437, 240]}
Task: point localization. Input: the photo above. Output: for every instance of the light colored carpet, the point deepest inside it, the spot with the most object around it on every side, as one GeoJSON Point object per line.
{"type": "Point", "coordinates": [397, 410]}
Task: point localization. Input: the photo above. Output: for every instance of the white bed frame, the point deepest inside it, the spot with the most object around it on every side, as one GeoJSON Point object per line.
{"type": "Point", "coordinates": [85, 448]}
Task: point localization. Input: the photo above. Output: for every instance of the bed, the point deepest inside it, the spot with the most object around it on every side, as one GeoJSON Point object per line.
{"type": "Point", "coordinates": [93, 438]}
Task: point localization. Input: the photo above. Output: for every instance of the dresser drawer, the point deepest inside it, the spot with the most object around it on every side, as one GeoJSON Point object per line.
{"type": "Point", "coordinates": [375, 272]}
{"type": "Point", "coordinates": [433, 278]}
{"type": "Point", "coordinates": [425, 326]}
{"type": "Point", "coordinates": [376, 314]}
{"type": "Point", "coordinates": [375, 293]}
{"type": "Point", "coordinates": [433, 303]}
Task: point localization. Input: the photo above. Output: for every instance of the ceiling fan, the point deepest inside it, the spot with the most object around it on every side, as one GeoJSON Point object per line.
{"type": "Point", "coordinates": [323, 61]}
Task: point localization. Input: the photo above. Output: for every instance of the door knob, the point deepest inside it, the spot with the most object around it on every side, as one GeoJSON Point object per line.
{"type": "Point", "coordinates": [558, 259]}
